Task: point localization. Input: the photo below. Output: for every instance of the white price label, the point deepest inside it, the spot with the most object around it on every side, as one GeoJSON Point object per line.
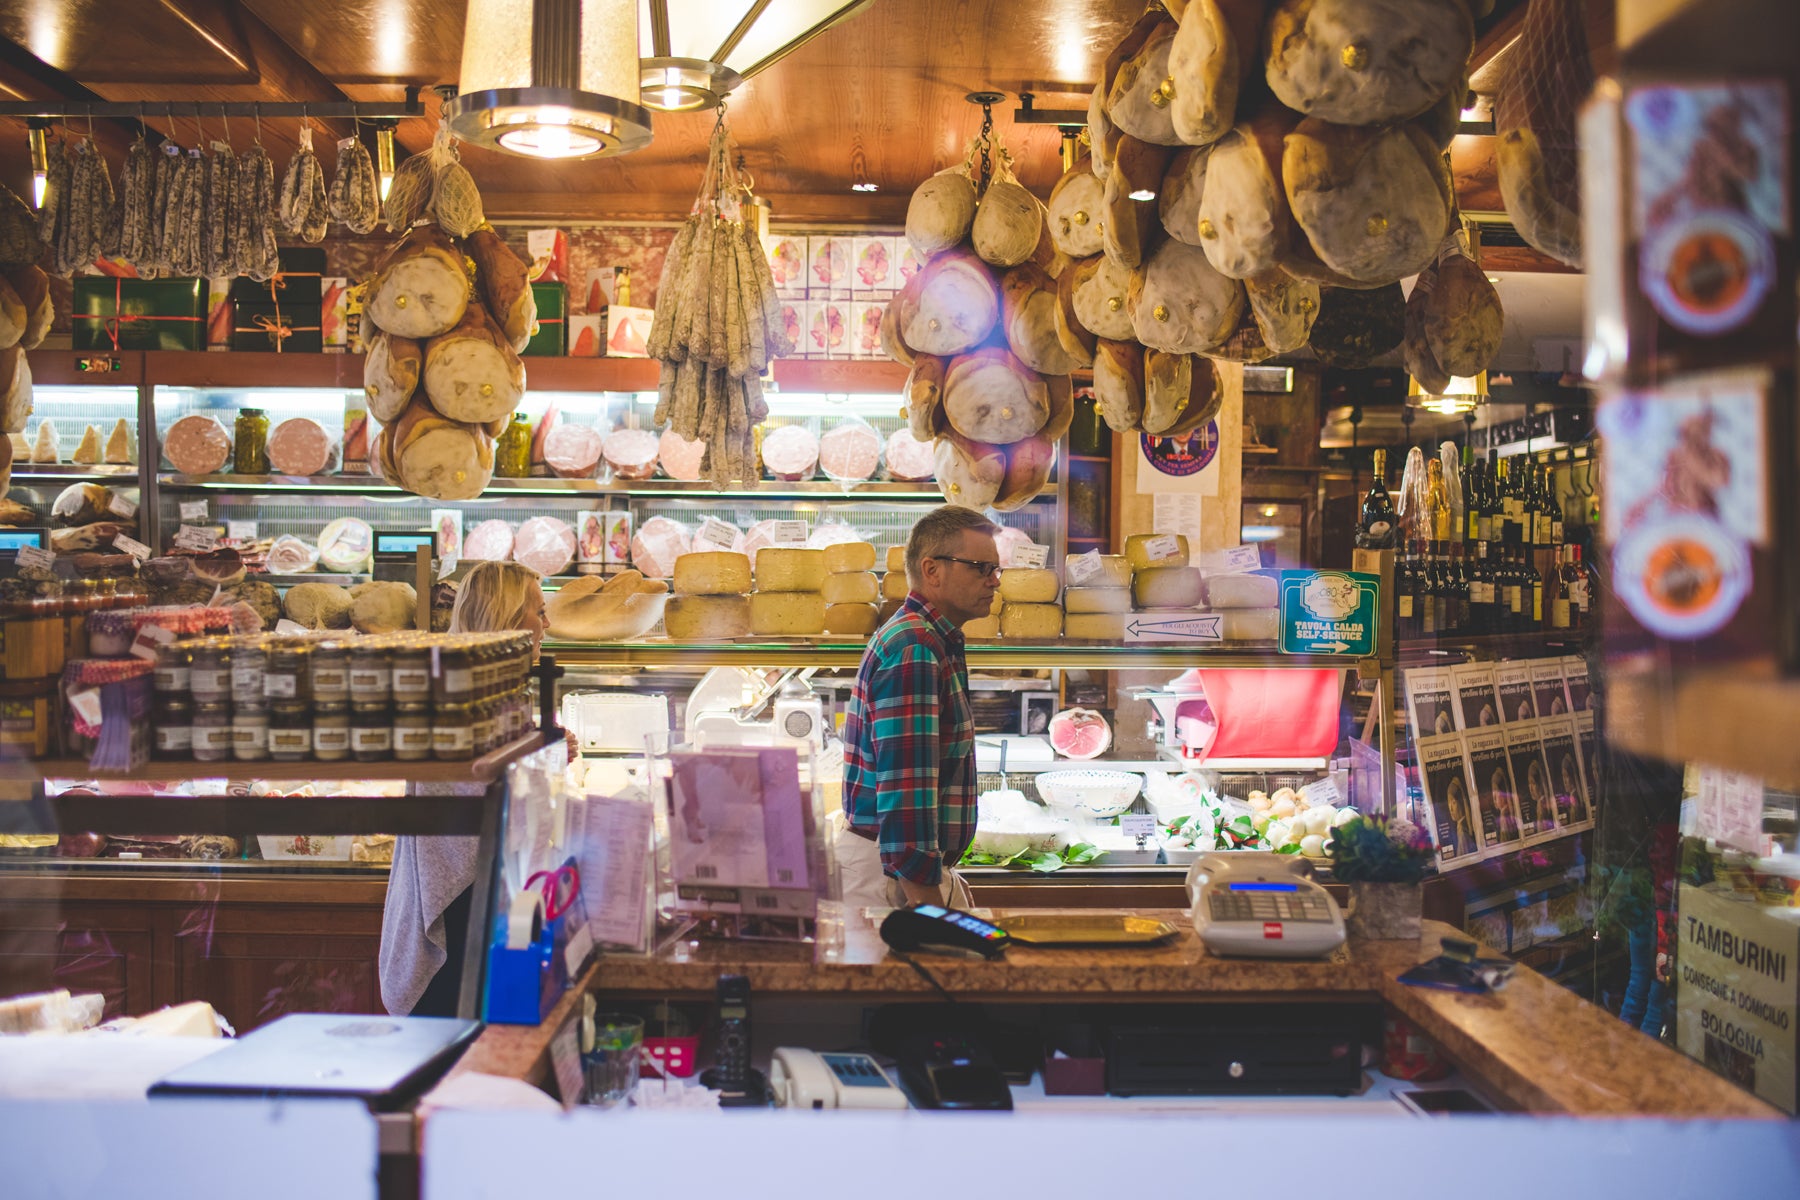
{"type": "Point", "coordinates": [1159, 548]}
{"type": "Point", "coordinates": [286, 626]}
{"type": "Point", "coordinates": [131, 546]}
{"type": "Point", "coordinates": [1323, 791]}
{"type": "Point", "coordinates": [242, 532]}
{"type": "Point", "coordinates": [790, 533]}
{"type": "Point", "coordinates": [720, 535]}
{"type": "Point", "coordinates": [191, 537]}
{"type": "Point", "coordinates": [1238, 560]}
{"type": "Point", "coordinates": [86, 704]}
{"type": "Point", "coordinates": [575, 954]}
{"type": "Point", "coordinates": [36, 556]}
{"type": "Point", "coordinates": [1082, 567]}
{"type": "Point", "coordinates": [193, 510]}
{"type": "Point", "coordinates": [1033, 556]}
{"type": "Point", "coordinates": [1137, 825]}
{"type": "Point", "coordinates": [565, 1056]}
{"type": "Point", "coordinates": [122, 506]}
{"type": "Point", "coordinates": [149, 638]}
{"type": "Point", "coordinates": [446, 568]}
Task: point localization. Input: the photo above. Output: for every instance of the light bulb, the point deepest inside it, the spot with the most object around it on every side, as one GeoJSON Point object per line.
{"type": "Point", "coordinates": [38, 183]}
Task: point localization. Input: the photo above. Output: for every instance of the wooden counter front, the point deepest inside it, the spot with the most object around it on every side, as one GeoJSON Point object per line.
{"type": "Point", "coordinates": [1535, 1046]}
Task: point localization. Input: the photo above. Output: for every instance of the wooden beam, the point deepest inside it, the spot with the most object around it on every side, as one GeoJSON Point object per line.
{"type": "Point", "coordinates": [850, 208]}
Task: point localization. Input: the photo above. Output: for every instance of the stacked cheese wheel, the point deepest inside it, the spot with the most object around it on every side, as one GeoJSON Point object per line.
{"type": "Point", "coordinates": [1097, 598]}
{"type": "Point", "coordinates": [1162, 581]}
{"type": "Point", "coordinates": [851, 589]}
{"type": "Point", "coordinates": [443, 372]}
{"type": "Point", "coordinates": [894, 586]}
{"type": "Point", "coordinates": [1029, 610]}
{"type": "Point", "coordinates": [710, 602]}
{"type": "Point", "coordinates": [789, 600]}
{"type": "Point", "coordinates": [990, 378]}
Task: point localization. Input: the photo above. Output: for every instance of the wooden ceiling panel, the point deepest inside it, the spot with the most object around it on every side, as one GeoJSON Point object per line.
{"type": "Point", "coordinates": [139, 41]}
{"type": "Point", "coordinates": [371, 41]}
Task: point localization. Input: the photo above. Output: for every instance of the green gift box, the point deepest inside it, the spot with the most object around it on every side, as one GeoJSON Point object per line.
{"type": "Point", "coordinates": [283, 328]}
{"type": "Point", "coordinates": [110, 313]}
{"type": "Point", "coordinates": [552, 336]}
{"type": "Point", "coordinates": [298, 281]}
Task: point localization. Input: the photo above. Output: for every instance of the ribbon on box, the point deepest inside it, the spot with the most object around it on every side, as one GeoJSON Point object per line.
{"type": "Point", "coordinates": [112, 323]}
{"type": "Point", "coordinates": [278, 282]}
{"type": "Point", "coordinates": [278, 329]}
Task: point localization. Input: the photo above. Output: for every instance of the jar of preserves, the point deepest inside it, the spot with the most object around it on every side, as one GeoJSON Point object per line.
{"type": "Point", "coordinates": [174, 670]}
{"type": "Point", "coordinates": [174, 727]}
{"type": "Point", "coordinates": [330, 673]}
{"type": "Point", "coordinates": [412, 732]}
{"type": "Point", "coordinates": [212, 732]}
{"type": "Point", "coordinates": [485, 726]}
{"type": "Point", "coordinates": [371, 733]}
{"type": "Point", "coordinates": [250, 734]}
{"type": "Point", "coordinates": [250, 444]}
{"type": "Point", "coordinates": [209, 671]}
{"type": "Point", "coordinates": [411, 674]}
{"type": "Point", "coordinates": [512, 453]}
{"type": "Point", "coordinates": [249, 660]}
{"type": "Point", "coordinates": [290, 732]}
{"type": "Point", "coordinates": [371, 674]}
{"type": "Point", "coordinates": [288, 676]}
{"type": "Point", "coordinates": [331, 732]}
{"type": "Point", "coordinates": [453, 733]}
{"type": "Point", "coordinates": [452, 675]}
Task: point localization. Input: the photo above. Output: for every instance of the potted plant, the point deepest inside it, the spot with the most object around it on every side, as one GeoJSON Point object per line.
{"type": "Point", "coordinates": [1383, 862]}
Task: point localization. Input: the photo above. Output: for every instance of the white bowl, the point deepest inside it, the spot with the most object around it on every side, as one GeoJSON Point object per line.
{"type": "Point", "coordinates": [1089, 795]}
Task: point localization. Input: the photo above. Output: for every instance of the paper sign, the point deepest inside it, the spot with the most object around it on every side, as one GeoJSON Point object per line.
{"type": "Point", "coordinates": [1083, 567]}
{"type": "Point", "coordinates": [36, 556]}
{"type": "Point", "coordinates": [1323, 791]}
{"type": "Point", "coordinates": [1159, 548]}
{"type": "Point", "coordinates": [193, 510]}
{"type": "Point", "coordinates": [581, 944]}
{"type": "Point", "coordinates": [446, 568]}
{"type": "Point", "coordinates": [241, 532]}
{"type": "Point", "coordinates": [190, 537]}
{"type": "Point", "coordinates": [1236, 560]}
{"type": "Point", "coordinates": [565, 1056]}
{"type": "Point", "coordinates": [1032, 556]}
{"type": "Point", "coordinates": [790, 533]}
{"type": "Point", "coordinates": [86, 703]}
{"type": "Point", "coordinates": [718, 535]}
{"type": "Point", "coordinates": [1174, 627]}
{"type": "Point", "coordinates": [122, 506]}
{"type": "Point", "coordinates": [131, 546]}
{"type": "Point", "coordinates": [1730, 809]}
{"type": "Point", "coordinates": [614, 856]}
{"type": "Point", "coordinates": [1736, 1004]}
{"type": "Point", "coordinates": [151, 637]}
{"type": "Point", "coordinates": [1137, 825]}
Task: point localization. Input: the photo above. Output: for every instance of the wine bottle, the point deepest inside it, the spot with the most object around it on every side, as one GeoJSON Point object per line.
{"type": "Point", "coordinates": [1375, 530]}
{"type": "Point", "coordinates": [1481, 591]}
{"type": "Point", "coordinates": [1561, 611]}
{"type": "Point", "coordinates": [1437, 510]}
{"type": "Point", "coordinates": [1575, 580]}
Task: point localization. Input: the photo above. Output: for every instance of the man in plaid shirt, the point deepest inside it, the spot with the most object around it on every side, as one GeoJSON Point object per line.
{"type": "Point", "coordinates": [909, 738]}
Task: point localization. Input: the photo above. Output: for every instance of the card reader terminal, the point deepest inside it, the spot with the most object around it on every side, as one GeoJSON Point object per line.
{"type": "Point", "coordinates": [1262, 905]}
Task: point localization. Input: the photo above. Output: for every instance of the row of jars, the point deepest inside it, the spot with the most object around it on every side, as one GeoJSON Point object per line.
{"type": "Point", "coordinates": [402, 668]}
{"type": "Point", "coordinates": [366, 731]}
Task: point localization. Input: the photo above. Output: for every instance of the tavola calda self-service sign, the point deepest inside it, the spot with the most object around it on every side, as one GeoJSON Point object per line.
{"type": "Point", "coordinates": [1738, 992]}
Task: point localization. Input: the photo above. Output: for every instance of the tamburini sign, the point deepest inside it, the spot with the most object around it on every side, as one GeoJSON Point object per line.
{"type": "Point", "coordinates": [1738, 992]}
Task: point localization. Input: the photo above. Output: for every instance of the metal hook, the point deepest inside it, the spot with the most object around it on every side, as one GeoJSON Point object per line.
{"type": "Point", "coordinates": [90, 122]}
{"type": "Point", "coordinates": [225, 116]}
{"type": "Point", "coordinates": [256, 112]}
{"type": "Point", "coordinates": [199, 128]}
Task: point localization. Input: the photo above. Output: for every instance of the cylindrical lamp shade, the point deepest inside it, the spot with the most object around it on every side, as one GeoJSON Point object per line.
{"type": "Point", "coordinates": [551, 78]}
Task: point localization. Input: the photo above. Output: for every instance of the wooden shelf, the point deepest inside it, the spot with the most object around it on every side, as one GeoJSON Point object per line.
{"type": "Point", "coordinates": [848, 652]}
{"type": "Point", "coordinates": [1736, 719]}
{"type": "Point", "coordinates": [768, 489]}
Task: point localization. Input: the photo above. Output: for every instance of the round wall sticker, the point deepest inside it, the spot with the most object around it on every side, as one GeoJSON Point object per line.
{"type": "Point", "coordinates": [1179, 457]}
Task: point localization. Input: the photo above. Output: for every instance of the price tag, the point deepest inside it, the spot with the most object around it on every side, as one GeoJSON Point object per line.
{"type": "Point", "coordinates": [150, 637]}
{"type": "Point", "coordinates": [1033, 556]}
{"type": "Point", "coordinates": [1323, 791]}
{"type": "Point", "coordinates": [565, 1056]}
{"type": "Point", "coordinates": [1082, 567]}
{"type": "Point", "coordinates": [446, 568]}
{"type": "Point", "coordinates": [1159, 548]}
{"type": "Point", "coordinates": [191, 537]}
{"type": "Point", "coordinates": [720, 535]}
{"type": "Point", "coordinates": [86, 704]}
{"type": "Point", "coordinates": [790, 533]}
{"type": "Point", "coordinates": [36, 556]}
{"type": "Point", "coordinates": [241, 532]}
{"type": "Point", "coordinates": [122, 506]}
{"type": "Point", "coordinates": [286, 626]}
{"type": "Point", "coordinates": [1137, 825]}
{"type": "Point", "coordinates": [575, 954]}
{"type": "Point", "coordinates": [193, 510]}
{"type": "Point", "coordinates": [131, 546]}
{"type": "Point", "coordinates": [1237, 560]}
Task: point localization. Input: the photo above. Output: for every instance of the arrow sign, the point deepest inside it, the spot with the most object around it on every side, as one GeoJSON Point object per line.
{"type": "Point", "coordinates": [1145, 627]}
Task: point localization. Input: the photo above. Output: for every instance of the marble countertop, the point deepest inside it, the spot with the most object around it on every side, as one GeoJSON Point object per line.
{"type": "Point", "coordinates": [1535, 1045]}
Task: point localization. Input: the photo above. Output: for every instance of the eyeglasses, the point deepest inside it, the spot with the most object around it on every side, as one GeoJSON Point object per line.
{"type": "Point", "coordinates": [985, 569]}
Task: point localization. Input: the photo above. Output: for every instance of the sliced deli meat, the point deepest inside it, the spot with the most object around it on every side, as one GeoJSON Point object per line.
{"type": "Point", "coordinates": [346, 544]}
{"type": "Point", "coordinates": [681, 458]}
{"type": "Point", "coordinates": [1362, 62]}
{"type": "Point", "coordinates": [572, 451]}
{"type": "Point", "coordinates": [299, 446]}
{"type": "Point", "coordinates": [629, 453]}
{"type": "Point", "coordinates": [790, 452]}
{"type": "Point", "coordinates": [491, 539]}
{"type": "Point", "coordinates": [288, 555]}
{"type": "Point", "coordinates": [544, 544]}
{"type": "Point", "coordinates": [909, 459]}
{"type": "Point", "coordinates": [850, 451]}
{"type": "Point", "coordinates": [197, 444]}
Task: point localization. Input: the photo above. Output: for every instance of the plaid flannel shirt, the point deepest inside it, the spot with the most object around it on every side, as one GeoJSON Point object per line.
{"type": "Point", "coordinates": [909, 745]}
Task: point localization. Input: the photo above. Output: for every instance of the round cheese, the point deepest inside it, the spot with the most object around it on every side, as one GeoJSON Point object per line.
{"type": "Point", "coordinates": [712, 573]}
{"type": "Point", "coordinates": [982, 627]}
{"type": "Point", "coordinates": [1029, 585]}
{"type": "Point", "coordinates": [1031, 622]}
{"type": "Point", "coordinates": [1097, 600]}
{"type": "Point", "coordinates": [852, 587]}
{"type": "Point", "coordinates": [857, 619]}
{"type": "Point", "coordinates": [346, 544]}
{"type": "Point", "coordinates": [849, 556]}
{"type": "Point", "coordinates": [787, 614]}
{"type": "Point", "coordinates": [1095, 626]}
{"type": "Point", "coordinates": [706, 618]}
{"type": "Point", "coordinates": [790, 569]}
{"type": "Point", "coordinates": [1250, 624]}
{"type": "Point", "coordinates": [1241, 591]}
{"type": "Point", "coordinates": [1167, 587]}
{"type": "Point", "coordinates": [997, 605]}
{"type": "Point", "coordinates": [1156, 550]}
{"type": "Point", "coordinates": [894, 586]}
{"type": "Point", "coordinates": [896, 558]}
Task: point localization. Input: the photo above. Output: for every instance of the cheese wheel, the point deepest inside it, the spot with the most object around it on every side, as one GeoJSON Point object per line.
{"type": "Point", "coordinates": [1167, 587]}
{"type": "Point", "coordinates": [849, 556]}
{"type": "Point", "coordinates": [1095, 626]}
{"type": "Point", "coordinates": [706, 618]}
{"type": "Point", "coordinates": [1250, 624]}
{"type": "Point", "coordinates": [997, 605]}
{"type": "Point", "coordinates": [1152, 550]}
{"type": "Point", "coordinates": [197, 445]}
{"type": "Point", "coordinates": [712, 573]}
{"type": "Point", "coordinates": [1098, 571]}
{"type": "Point", "coordinates": [852, 587]}
{"type": "Point", "coordinates": [1242, 591]}
{"type": "Point", "coordinates": [787, 614]}
{"type": "Point", "coordinates": [1031, 622]}
{"type": "Point", "coordinates": [790, 569]}
{"type": "Point", "coordinates": [1097, 600]}
{"type": "Point", "coordinates": [982, 627]}
{"type": "Point", "coordinates": [346, 544]}
{"type": "Point", "coordinates": [894, 586]}
{"type": "Point", "coordinates": [299, 446]}
{"type": "Point", "coordinates": [896, 558]}
{"type": "Point", "coordinates": [858, 619]}
{"type": "Point", "coordinates": [1029, 585]}
{"type": "Point", "coordinates": [790, 452]}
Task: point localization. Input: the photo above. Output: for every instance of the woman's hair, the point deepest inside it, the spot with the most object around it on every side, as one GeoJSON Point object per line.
{"type": "Point", "coordinates": [935, 533]}
{"type": "Point", "coordinates": [491, 597]}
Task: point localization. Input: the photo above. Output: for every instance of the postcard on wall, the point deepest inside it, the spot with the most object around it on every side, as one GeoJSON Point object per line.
{"type": "Point", "coordinates": [1548, 691]}
{"type": "Point", "coordinates": [1491, 772]}
{"type": "Point", "coordinates": [1562, 758]}
{"type": "Point", "coordinates": [1531, 782]}
{"type": "Point", "coordinates": [1477, 704]}
{"type": "Point", "coordinates": [1513, 681]}
{"type": "Point", "coordinates": [1450, 800]}
{"type": "Point", "coordinates": [1430, 708]}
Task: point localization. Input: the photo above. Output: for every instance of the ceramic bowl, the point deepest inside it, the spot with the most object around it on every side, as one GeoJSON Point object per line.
{"type": "Point", "coordinates": [1089, 795]}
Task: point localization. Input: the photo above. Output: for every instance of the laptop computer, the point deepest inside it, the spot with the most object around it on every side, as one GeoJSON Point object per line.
{"type": "Point", "coordinates": [381, 1059]}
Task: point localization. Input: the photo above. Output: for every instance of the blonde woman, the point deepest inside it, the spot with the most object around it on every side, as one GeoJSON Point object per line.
{"type": "Point", "coordinates": [424, 926]}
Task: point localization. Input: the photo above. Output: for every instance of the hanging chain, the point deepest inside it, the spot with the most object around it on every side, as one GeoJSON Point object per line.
{"type": "Point", "coordinates": [987, 145]}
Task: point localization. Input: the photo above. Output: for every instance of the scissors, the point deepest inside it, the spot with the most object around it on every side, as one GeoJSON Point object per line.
{"type": "Point", "coordinates": [560, 887]}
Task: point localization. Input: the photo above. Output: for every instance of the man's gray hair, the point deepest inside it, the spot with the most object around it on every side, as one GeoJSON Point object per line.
{"type": "Point", "coordinates": [935, 532]}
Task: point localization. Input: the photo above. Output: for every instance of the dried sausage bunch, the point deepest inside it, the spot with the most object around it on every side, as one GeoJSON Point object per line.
{"type": "Point", "coordinates": [443, 373]}
{"type": "Point", "coordinates": [990, 384]}
{"type": "Point", "coordinates": [717, 325]}
{"type": "Point", "coordinates": [305, 210]}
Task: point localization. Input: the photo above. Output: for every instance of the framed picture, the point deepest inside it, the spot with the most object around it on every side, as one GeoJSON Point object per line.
{"type": "Point", "coordinates": [1035, 711]}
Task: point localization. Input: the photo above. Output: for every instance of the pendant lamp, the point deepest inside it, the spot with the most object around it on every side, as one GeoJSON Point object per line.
{"type": "Point", "coordinates": [551, 78]}
{"type": "Point", "coordinates": [1463, 395]}
{"type": "Point", "coordinates": [696, 52]}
